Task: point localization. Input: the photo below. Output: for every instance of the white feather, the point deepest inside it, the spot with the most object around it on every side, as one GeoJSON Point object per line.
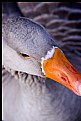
{"type": "Point", "coordinates": [49, 54]}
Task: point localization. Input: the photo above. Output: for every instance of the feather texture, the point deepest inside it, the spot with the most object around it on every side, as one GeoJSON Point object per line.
{"type": "Point", "coordinates": [31, 98]}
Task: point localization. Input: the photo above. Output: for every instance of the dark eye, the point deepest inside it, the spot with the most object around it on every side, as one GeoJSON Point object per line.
{"type": "Point", "coordinates": [25, 55]}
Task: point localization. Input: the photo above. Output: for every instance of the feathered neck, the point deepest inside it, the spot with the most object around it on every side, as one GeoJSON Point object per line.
{"type": "Point", "coordinates": [23, 77]}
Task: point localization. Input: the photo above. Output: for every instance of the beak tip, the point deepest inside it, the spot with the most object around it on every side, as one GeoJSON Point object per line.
{"type": "Point", "coordinates": [79, 89]}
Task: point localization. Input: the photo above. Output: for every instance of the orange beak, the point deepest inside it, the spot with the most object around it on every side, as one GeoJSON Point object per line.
{"type": "Point", "coordinates": [61, 70]}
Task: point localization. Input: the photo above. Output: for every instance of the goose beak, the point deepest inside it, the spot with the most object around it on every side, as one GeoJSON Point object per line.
{"type": "Point", "coordinates": [58, 68]}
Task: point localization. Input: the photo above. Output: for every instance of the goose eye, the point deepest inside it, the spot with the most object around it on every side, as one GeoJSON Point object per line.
{"type": "Point", "coordinates": [25, 55]}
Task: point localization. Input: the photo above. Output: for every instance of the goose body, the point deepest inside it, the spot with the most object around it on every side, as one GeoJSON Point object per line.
{"type": "Point", "coordinates": [34, 98]}
{"type": "Point", "coordinates": [27, 95]}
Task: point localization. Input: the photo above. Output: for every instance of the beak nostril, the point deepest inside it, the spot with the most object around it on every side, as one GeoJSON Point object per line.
{"type": "Point", "coordinates": [63, 78]}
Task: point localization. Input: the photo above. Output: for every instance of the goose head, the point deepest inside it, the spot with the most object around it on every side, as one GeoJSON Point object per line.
{"type": "Point", "coordinates": [28, 47]}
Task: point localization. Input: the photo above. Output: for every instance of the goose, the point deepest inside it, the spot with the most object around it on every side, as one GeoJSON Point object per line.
{"type": "Point", "coordinates": [32, 63]}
